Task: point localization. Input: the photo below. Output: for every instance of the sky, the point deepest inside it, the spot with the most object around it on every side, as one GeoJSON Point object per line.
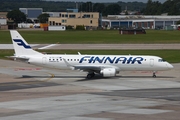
{"type": "Point", "coordinates": [100, 1]}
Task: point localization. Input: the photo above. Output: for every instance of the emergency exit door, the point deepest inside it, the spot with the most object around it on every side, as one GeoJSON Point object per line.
{"type": "Point", "coordinates": [44, 60]}
{"type": "Point", "coordinates": [151, 62]}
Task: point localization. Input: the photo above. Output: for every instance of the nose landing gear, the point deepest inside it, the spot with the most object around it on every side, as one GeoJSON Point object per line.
{"type": "Point", "coordinates": [154, 74]}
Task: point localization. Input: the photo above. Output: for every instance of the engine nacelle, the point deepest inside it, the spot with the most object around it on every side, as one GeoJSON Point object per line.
{"type": "Point", "coordinates": [108, 72]}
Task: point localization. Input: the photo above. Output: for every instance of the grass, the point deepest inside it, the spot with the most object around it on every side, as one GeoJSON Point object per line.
{"type": "Point", "coordinates": [172, 56]}
{"type": "Point", "coordinates": [93, 37]}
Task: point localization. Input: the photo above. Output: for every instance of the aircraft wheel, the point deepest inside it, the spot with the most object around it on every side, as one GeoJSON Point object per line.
{"type": "Point", "coordinates": [91, 75]}
{"type": "Point", "coordinates": [154, 74]}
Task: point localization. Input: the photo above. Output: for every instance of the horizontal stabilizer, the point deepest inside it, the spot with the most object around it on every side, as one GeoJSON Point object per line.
{"type": "Point", "coordinates": [25, 59]}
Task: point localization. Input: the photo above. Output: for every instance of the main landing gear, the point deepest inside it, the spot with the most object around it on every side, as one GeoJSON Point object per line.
{"type": "Point", "coordinates": [154, 74]}
{"type": "Point", "coordinates": [90, 75]}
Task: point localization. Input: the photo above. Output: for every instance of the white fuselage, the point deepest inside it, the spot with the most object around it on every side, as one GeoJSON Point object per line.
{"type": "Point", "coordinates": [119, 62]}
{"type": "Point", "coordinates": [106, 65]}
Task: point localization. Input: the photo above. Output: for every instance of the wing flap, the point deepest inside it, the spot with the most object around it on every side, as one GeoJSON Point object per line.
{"type": "Point", "coordinates": [86, 67]}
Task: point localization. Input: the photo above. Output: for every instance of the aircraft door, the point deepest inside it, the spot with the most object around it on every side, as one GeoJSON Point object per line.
{"type": "Point", "coordinates": [44, 60]}
{"type": "Point", "coordinates": [151, 62]}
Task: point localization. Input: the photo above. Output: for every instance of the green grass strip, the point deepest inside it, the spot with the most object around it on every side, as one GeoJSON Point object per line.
{"type": "Point", "coordinates": [93, 37]}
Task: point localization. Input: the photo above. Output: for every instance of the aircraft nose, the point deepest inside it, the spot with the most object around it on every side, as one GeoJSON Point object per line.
{"type": "Point", "coordinates": [170, 66]}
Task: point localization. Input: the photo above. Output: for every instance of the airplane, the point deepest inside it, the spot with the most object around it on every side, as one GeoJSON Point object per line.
{"type": "Point", "coordinates": [105, 65]}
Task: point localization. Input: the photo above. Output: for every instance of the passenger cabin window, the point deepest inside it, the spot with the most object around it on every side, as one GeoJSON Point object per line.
{"type": "Point", "coordinates": [72, 16]}
{"type": "Point", "coordinates": [53, 23]}
{"type": "Point", "coordinates": [161, 60]}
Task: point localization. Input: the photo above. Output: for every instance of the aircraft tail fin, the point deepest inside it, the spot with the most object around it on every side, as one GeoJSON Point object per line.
{"type": "Point", "coordinates": [21, 47]}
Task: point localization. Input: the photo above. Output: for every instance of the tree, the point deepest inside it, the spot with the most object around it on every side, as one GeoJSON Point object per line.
{"type": "Point", "coordinates": [112, 9]}
{"type": "Point", "coordinates": [126, 13]}
{"type": "Point", "coordinates": [167, 6]}
{"type": "Point", "coordinates": [98, 7]}
{"type": "Point", "coordinates": [86, 7]}
{"type": "Point", "coordinates": [153, 8]}
{"type": "Point", "coordinates": [17, 16]}
{"type": "Point", "coordinates": [148, 7]}
{"type": "Point", "coordinates": [172, 7]}
{"type": "Point", "coordinates": [178, 22]}
{"type": "Point", "coordinates": [175, 8]}
{"type": "Point", "coordinates": [43, 18]}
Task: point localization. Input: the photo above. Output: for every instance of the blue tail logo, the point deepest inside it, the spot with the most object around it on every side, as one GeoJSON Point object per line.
{"type": "Point", "coordinates": [21, 43]}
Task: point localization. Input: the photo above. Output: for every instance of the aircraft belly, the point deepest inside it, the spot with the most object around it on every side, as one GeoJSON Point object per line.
{"type": "Point", "coordinates": [135, 67]}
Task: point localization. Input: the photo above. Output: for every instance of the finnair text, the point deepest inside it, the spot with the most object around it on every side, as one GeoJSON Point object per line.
{"type": "Point", "coordinates": [112, 60]}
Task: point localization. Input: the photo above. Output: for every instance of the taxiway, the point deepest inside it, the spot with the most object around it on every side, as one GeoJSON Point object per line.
{"type": "Point", "coordinates": [29, 92]}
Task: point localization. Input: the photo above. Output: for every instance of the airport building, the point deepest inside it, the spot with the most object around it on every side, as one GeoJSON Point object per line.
{"type": "Point", "coordinates": [147, 22]}
{"type": "Point", "coordinates": [3, 24]}
{"type": "Point", "coordinates": [3, 15]}
{"type": "Point", "coordinates": [3, 21]}
{"type": "Point", "coordinates": [88, 19]}
{"type": "Point", "coordinates": [32, 13]}
{"type": "Point", "coordinates": [56, 14]}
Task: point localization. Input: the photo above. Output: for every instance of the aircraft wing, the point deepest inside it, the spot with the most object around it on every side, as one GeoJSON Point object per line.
{"type": "Point", "coordinates": [89, 68]}
{"type": "Point", "coordinates": [94, 68]}
{"type": "Point", "coordinates": [48, 46]}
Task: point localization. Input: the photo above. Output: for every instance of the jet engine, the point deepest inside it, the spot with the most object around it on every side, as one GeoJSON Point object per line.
{"type": "Point", "coordinates": [108, 72]}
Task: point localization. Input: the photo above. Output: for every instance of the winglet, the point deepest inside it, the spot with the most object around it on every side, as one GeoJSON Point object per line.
{"type": "Point", "coordinates": [79, 53]}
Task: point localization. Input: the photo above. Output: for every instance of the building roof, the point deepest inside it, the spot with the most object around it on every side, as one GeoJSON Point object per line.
{"type": "Point", "coordinates": [143, 16]}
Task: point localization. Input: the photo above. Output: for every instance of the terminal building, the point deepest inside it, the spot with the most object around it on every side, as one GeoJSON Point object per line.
{"type": "Point", "coordinates": [147, 22]}
{"type": "Point", "coordinates": [93, 20]}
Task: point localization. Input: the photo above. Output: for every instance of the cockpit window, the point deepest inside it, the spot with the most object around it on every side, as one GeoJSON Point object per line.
{"type": "Point", "coordinates": [162, 60]}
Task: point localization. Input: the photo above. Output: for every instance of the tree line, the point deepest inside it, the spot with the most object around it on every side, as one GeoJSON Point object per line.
{"type": "Point", "coordinates": [57, 6]}
{"type": "Point", "coordinates": [171, 7]}
{"type": "Point", "coordinates": [111, 9]}
{"type": "Point", "coordinates": [48, 6]}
